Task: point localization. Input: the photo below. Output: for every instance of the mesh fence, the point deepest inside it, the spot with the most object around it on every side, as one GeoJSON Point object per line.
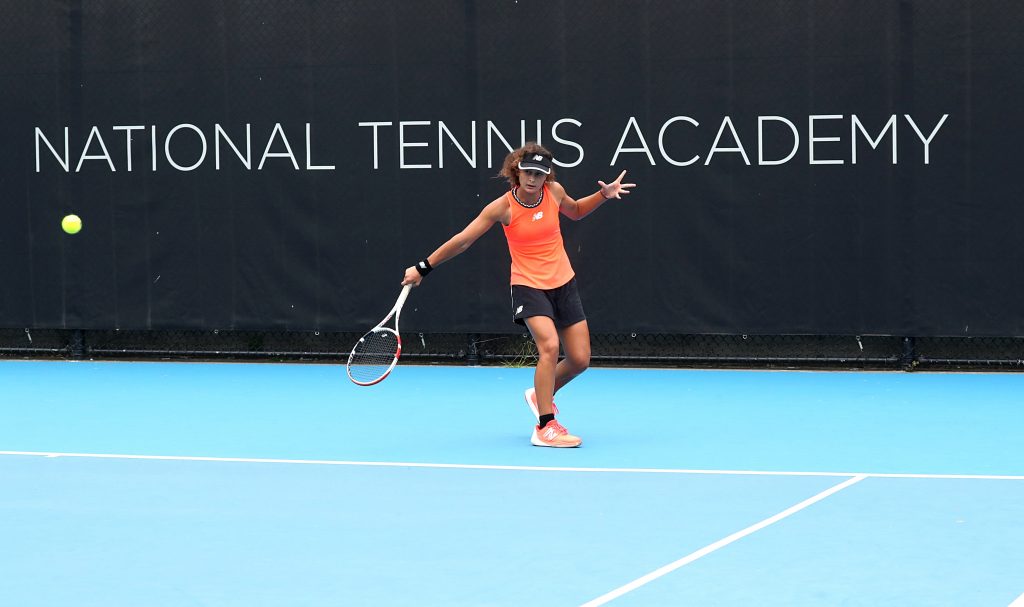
{"type": "Point", "coordinates": [661, 350]}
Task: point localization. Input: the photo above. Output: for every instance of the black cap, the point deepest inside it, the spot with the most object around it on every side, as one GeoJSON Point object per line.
{"type": "Point", "coordinates": [536, 161]}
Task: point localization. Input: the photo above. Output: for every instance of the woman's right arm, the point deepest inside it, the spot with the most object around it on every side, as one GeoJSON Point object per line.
{"type": "Point", "coordinates": [496, 211]}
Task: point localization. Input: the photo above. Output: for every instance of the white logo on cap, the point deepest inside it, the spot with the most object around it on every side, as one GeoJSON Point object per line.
{"type": "Point", "coordinates": [538, 157]}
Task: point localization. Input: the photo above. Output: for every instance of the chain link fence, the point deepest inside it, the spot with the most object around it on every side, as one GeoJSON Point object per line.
{"type": "Point", "coordinates": [652, 350]}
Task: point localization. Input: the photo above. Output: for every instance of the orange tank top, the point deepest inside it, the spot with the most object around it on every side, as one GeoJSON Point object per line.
{"type": "Point", "coordinates": [535, 243]}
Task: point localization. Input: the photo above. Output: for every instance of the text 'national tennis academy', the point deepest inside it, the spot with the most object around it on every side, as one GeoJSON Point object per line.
{"type": "Point", "coordinates": [679, 141]}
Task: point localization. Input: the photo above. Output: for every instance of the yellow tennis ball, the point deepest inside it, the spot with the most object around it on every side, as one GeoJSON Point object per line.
{"type": "Point", "coordinates": [72, 224]}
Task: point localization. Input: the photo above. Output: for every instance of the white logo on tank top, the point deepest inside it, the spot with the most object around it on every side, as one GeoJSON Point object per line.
{"type": "Point", "coordinates": [538, 215]}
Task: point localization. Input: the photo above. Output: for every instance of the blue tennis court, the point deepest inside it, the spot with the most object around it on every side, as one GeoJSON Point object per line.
{"type": "Point", "coordinates": [177, 484]}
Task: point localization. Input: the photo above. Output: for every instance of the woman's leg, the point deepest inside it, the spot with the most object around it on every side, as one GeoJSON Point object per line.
{"type": "Point", "coordinates": [545, 336]}
{"type": "Point", "coordinates": [548, 432]}
{"type": "Point", "coordinates": [576, 343]}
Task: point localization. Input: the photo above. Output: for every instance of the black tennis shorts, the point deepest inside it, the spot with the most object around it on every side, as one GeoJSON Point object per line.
{"type": "Point", "coordinates": [561, 304]}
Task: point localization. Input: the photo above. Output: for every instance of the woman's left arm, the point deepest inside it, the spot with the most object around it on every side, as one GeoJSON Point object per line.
{"type": "Point", "coordinates": [578, 209]}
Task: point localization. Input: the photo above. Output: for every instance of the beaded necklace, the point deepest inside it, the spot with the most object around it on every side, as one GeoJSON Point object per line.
{"type": "Point", "coordinates": [529, 206]}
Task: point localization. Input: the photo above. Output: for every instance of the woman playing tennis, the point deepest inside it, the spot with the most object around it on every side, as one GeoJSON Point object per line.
{"type": "Point", "coordinates": [544, 293]}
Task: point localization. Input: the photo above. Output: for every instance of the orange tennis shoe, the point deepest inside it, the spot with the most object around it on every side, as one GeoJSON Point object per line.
{"type": "Point", "coordinates": [554, 434]}
{"type": "Point", "coordinates": [531, 402]}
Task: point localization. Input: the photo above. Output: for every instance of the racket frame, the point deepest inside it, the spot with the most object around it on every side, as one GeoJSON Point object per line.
{"type": "Point", "coordinates": [396, 312]}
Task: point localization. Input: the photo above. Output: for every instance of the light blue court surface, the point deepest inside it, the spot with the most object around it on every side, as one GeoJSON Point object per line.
{"type": "Point", "coordinates": [188, 484]}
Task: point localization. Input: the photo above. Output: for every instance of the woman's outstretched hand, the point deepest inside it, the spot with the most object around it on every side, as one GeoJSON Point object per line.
{"type": "Point", "coordinates": [615, 189]}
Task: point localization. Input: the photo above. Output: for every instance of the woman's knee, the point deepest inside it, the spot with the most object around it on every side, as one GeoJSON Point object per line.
{"type": "Point", "coordinates": [547, 348]}
{"type": "Point", "coordinates": [579, 358]}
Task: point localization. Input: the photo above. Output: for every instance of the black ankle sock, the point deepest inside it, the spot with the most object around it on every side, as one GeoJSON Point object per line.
{"type": "Point", "coordinates": [544, 419]}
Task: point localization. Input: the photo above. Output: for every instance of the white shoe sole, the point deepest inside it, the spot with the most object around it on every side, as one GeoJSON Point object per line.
{"type": "Point", "coordinates": [529, 402]}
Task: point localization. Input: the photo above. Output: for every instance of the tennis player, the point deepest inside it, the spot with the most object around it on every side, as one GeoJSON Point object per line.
{"type": "Point", "coordinates": [544, 293]}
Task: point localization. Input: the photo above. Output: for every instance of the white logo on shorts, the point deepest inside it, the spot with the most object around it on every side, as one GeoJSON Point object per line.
{"type": "Point", "coordinates": [538, 215]}
{"type": "Point", "coordinates": [519, 310]}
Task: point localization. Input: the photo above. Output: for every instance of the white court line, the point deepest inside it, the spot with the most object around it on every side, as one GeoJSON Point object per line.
{"type": "Point", "coordinates": [319, 462]}
{"type": "Point", "coordinates": [853, 479]}
{"type": "Point", "coordinates": [706, 550]}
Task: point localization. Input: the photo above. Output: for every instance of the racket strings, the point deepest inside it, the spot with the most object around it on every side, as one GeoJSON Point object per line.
{"type": "Point", "coordinates": [374, 355]}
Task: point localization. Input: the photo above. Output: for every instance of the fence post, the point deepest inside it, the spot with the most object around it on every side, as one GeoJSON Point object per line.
{"type": "Point", "coordinates": [472, 352]}
{"type": "Point", "coordinates": [77, 344]}
{"type": "Point", "coordinates": [908, 358]}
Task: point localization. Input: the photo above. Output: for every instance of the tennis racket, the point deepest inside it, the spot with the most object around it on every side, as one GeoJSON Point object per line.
{"type": "Point", "coordinates": [376, 353]}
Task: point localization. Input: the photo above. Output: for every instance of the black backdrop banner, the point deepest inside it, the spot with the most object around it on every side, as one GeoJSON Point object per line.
{"type": "Point", "coordinates": [844, 167]}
